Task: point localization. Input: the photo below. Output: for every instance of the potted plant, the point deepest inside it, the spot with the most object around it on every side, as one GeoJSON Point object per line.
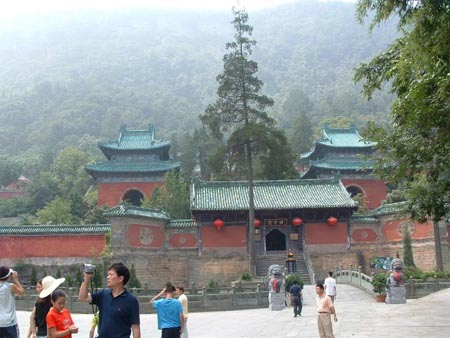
{"type": "Point", "coordinates": [379, 286]}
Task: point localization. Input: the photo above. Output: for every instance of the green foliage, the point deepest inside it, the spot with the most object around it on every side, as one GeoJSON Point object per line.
{"type": "Point", "coordinates": [14, 206]}
{"type": "Point", "coordinates": [239, 116]}
{"type": "Point", "coordinates": [293, 277]}
{"type": "Point", "coordinates": [379, 280]}
{"type": "Point", "coordinates": [134, 281]}
{"type": "Point", "coordinates": [79, 276]}
{"type": "Point", "coordinates": [57, 211]}
{"type": "Point", "coordinates": [97, 280]}
{"type": "Point", "coordinates": [33, 276]}
{"type": "Point", "coordinates": [246, 276]}
{"type": "Point", "coordinates": [172, 197]}
{"type": "Point", "coordinates": [58, 273]}
{"type": "Point", "coordinates": [416, 273]}
{"type": "Point", "coordinates": [416, 65]}
{"type": "Point", "coordinates": [10, 170]}
{"type": "Point", "coordinates": [212, 284]}
{"type": "Point", "coordinates": [69, 281]}
{"type": "Point", "coordinates": [408, 258]}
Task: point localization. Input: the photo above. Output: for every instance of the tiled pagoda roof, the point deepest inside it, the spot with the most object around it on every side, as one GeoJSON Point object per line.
{"type": "Point", "coordinates": [134, 140]}
{"type": "Point", "coordinates": [389, 209]}
{"type": "Point", "coordinates": [271, 195]}
{"type": "Point", "coordinates": [353, 163]}
{"type": "Point", "coordinates": [344, 138]}
{"type": "Point", "coordinates": [125, 210]}
{"type": "Point", "coordinates": [131, 165]}
{"type": "Point", "coordinates": [54, 229]}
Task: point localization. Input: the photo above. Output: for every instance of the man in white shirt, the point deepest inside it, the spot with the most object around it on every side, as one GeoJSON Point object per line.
{"type": "Point", "coordinates": [330, 286]}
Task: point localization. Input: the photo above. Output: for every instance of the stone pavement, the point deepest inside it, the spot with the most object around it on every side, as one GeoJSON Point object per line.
{"type": "Point", "coordinates": [359, 316]}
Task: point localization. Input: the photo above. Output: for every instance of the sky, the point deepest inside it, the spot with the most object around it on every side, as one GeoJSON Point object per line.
{"type": "Point", "coordinates": [16, 8]}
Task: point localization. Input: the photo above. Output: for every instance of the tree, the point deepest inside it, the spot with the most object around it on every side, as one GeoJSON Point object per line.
{"type": "Point", "coordinates": [301, 134]}
{"type": "Point", "coordinates": [134, 281]}
{"type": "Point", "coordinates": [417, 65]}
{"type": "Point", "coordinates": [172, 197]}
{"type": "Point", "coordinates": [57, 211]}
{"type": "Point", "coordinates": [9, 171]}
{"type": "Point", "coordinates": [240, 108]}
{"type": "Point", "coordinates": [408, 258]}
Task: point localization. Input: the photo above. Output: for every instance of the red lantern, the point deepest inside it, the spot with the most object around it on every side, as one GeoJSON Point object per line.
{"type": "Point", "coordinates": [218, 224]}
{"type": "Point", "coordinates": [332, 221]}
{"type": "Point", "coordinates": [297, 221]}
{"type": "Point", "coordinates": [257, 223]}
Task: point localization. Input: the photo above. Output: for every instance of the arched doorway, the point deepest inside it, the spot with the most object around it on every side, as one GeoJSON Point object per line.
{"type": "Point", "coordinates": [275, 241]}
{"type": "Point", "coordinates": [354, 191]}
{"type": "Point", "coordinates": [133, 197]}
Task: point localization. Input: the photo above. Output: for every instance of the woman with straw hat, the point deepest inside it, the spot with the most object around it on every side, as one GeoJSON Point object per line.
{"type": "Point", "coordinates": [38, 324]}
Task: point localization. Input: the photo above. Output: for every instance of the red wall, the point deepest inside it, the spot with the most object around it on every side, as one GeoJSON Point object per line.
{"type": "Point", "coordinates": [52, 246]}
{"type": "Point", "coordinates": [111, 194]}
{"type": "Point", "coordinates": [183, 241]}
{"type": "Point", "coordinates": [374, 190]}
{"type": "Point", "coordinates": [392, 230]}
{"type": "Point", "coordinates": [322, 233]}
{"type": "Point", "coordinates": [364, 236]}
{"type": "Point", "coordinates": [228, 236]}
{"type": "Point", "coordinates": [138, 235]}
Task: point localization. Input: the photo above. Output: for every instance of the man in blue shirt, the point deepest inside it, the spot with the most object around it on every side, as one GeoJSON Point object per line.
{"type": "Point", "coordinates": [296, 298]}
{"type": "Point", "coordinates": [119, 309]}
{"type": "Point", "coordinates": [170, 313]}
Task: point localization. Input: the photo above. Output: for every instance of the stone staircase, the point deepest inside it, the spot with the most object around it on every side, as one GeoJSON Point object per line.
{"type": "Point", "coordinates": [263, 262]}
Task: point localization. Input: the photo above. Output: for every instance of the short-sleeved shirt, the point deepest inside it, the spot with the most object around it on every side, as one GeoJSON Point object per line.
{"type": "Point", "coordinates": [330, 286]}
{"type": "Point", "coordinates": [324, 304]}
{"type": "Point", "coordinates": [60, 320]}
{"type": "Point", "coordinates": [184, 303]}
{"type": "Point", "coordinates": [7, 305]}
{"type": "Point", "coordinates": [117, 314]}
{"type": "Point", "coordinates": [169, 311]}
{"type": "Point", "coordinates": [295, 290]}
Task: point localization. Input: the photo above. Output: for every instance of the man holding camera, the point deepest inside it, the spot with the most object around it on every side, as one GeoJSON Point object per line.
{"type": "Point", "coordinates": [8, 316]}
{"type": "Point", "coordinates": [119, 309]}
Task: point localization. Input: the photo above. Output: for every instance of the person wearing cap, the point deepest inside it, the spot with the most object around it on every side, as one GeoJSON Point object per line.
{"type": "Point", "coordinates": [119, 309]}
{"type": "Point", "coordinates": [38, 323]}
{"type": "Point", "coordinates": [8, 316]}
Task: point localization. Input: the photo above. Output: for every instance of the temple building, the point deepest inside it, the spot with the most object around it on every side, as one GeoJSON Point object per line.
{"type": "Point", "coordinates": [343, 153]}
{"type": "Point", "coordinates": [136, 165]}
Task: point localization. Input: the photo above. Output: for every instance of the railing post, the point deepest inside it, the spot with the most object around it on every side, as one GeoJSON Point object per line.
{"type": "Point", "coordinates": [436, 284]}
{"type": "Point", "coordinates": [204, 296]}
{"type": "Point", "coordinates": [258, 294]}
{"type": "Point", "coordinates": [233, 296]}
{"type": "Point", "coordinates": [360, 274]}
{"type": "Point", "coordinates": [350, 273]}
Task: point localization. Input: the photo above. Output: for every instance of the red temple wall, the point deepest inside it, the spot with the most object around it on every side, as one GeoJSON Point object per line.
{"type": "Point", "coordinates": [111, 194]}
{"type": "Point", "coordinates": [322, 233]}
{"type": "Point", "coordinates": [228, 236]}
{"type": "Point", "coordinates": [69, 245]}
{"type": "Point", "coordinates": [13, 194]}
{"type": "Point", "coordinates": [374, 190]}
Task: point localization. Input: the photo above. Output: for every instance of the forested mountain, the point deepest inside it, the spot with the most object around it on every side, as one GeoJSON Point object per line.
{"type": "Point", "coordinates": [73, 79]}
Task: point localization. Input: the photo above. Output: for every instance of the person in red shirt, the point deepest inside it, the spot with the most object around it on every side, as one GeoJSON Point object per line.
{"type": "Point", "coordinates": [59, 320]}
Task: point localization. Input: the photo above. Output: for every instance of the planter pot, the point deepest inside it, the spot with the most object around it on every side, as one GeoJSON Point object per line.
{"type": "Point", "coordinates": [380, 298]}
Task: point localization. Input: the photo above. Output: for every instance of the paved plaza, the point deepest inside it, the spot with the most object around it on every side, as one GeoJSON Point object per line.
{"type": "Point", "coordinates": [359, 316]}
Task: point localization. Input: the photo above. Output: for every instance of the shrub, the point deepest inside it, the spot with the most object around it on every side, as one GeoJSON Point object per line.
{"type": "Point", "coordinates": [290, 281]}
{"type": "Point", "coordinates": [379, 282]}
{"type": "Point", "coordinates": [246, 276]}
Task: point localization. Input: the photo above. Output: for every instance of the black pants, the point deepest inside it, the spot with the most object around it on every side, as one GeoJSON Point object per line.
{"type": "Point", "coordinates": [172, 332]}
{"type": "Point", "coordinates": [297, 305]}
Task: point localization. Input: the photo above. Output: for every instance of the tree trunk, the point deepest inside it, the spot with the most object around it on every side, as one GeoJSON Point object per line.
{"type": "Point", "coordinates": [251, 212]}
{"type": "Point", "coordinates": [437, 246]}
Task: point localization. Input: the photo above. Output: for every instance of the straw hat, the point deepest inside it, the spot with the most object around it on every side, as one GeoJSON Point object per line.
{"type": "Point", "coordinates": [49, 284]}
{"type": "Point", "coordinates": [5, 272]}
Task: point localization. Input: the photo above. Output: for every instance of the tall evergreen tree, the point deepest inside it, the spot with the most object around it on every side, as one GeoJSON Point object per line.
{"type": "Point", "coordinates": [239, 111]}
{"type": "Point", "coordinates": [408, 258]}
{"type": "Point", "coordinates": [417, 65]}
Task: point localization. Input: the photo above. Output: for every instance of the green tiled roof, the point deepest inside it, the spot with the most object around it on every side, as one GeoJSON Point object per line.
{"type": "Point", "coordinates": [353, 163]}
{"type": "Point", "coordinates": [54, 229]}
{"type": "Point", "coordinates": [182, 223]}
{"type": "Point", "coordinates": [363, 219]}
{"type": "Point", "coordinates": [131, 165]}
{"type": "Point", "coordinates": [271, 195]}
{"type": "Point", "coordinates": [124, 210]}
{"type": "Point", "coordinates": [388, 209]}
{"type": "Point", "coordinates": [344, 138]}
{"type": "Point", "coordinates": [135, 140]}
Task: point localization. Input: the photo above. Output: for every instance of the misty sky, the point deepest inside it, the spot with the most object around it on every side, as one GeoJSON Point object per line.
{"type": "Point", "coordinates": [11, 9]}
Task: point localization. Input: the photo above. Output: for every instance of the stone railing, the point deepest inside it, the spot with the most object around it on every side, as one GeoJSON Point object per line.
{"type": "Point", "coordinates": [241, 296]}
{"type": "Point", "coordinates": [414, 288]}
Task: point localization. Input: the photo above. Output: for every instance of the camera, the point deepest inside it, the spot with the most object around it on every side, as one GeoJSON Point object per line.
{"type": "Point", "coordinates": [89, 268]}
